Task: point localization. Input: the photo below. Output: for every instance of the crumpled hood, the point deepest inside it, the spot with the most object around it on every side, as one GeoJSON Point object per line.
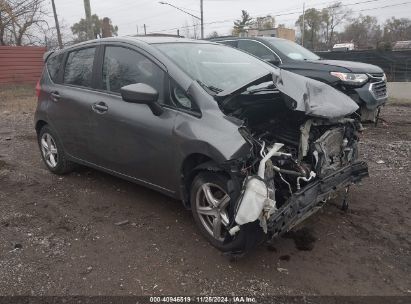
{"type": "Point", "coordinates": [313, 97]}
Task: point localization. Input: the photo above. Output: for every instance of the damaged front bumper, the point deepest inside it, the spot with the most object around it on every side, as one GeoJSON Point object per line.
{"type": "Point", "coordinates": [308, 199]}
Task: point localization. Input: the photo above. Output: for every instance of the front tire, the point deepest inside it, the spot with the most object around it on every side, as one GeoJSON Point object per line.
{"type": "Point", "coordinates": [52, 152]}
{"type": "Point", "coordinates": [212, 210]}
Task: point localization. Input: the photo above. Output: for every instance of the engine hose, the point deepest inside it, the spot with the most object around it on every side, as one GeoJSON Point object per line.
{"type": "Point", "coordinates": [288, 172]}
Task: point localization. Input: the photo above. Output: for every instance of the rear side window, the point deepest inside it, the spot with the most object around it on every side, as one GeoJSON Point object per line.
{"type": "Point", "coordinates": [79, 67]}
{"type": "Point", "coordinates": [257, 49]}
{"type": "Point", "coordinates": [54, 66]}
{"type": "Point", "coordinates": [123, 66]}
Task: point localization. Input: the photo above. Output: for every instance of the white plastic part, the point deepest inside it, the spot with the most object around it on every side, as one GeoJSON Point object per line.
{"type": "Point", "coordinates": [233, 231]}
{"type": "Point", "coordinates": [255, 203]}
{"type": "Point", "coordinates": [312, 175]}
{"type": "Point", "coordinates": [252, 203]}
{"type": "Point", "coordinates": [273, 152]}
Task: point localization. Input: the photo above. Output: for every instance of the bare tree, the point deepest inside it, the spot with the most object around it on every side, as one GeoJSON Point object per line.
{"type": "Point", "coordinates": [213, 34]}
{"type": "Point", "coordinates": [192, 31]}
{"type": "Point", "coordinates": [333, 16]}
{"type": "Point", "coordinates": [196, 29]}
{"type": "Point", "coordinates": [18, 18]}
{"type": "Point", "coordinates": [264, 23]}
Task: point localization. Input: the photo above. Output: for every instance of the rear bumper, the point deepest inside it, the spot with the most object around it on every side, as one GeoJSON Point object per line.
{"type": "Point", "coordinates": [307, 201]}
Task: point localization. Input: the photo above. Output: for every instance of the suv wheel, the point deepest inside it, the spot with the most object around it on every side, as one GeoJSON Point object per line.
{"type": "Point", "coordinates": [52, 152]}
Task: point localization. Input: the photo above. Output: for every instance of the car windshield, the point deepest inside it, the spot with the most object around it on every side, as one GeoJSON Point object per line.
{"type": "Point", "coordinates": [292, 50]}
{"type": "Point", "coordinates": [217, 67]}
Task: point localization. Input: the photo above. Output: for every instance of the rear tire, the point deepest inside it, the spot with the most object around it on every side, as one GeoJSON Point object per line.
{"type": "Point", "coordinates": [212, 210]}
{"type": "Point", "coordinates": [52, 152]}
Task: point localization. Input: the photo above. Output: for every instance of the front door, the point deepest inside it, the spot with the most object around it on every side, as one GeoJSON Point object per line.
{"type": "Point", "coordinates": [128, 138]}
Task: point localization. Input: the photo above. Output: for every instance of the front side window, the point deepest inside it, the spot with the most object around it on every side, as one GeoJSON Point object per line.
{"type": "Point", "coordinates": [216, 66]}
{"type": "Point", "coordinates": [79, 67]}
{"type": "Point", "coordinates": [257, 49]}
{"type": "Point", "coordinates": [123, 66]}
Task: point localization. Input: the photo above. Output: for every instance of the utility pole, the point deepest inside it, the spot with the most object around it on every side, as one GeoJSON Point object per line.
{"type": "Point", "coordinates": [56, 20]}
{"type": "Point", "coordinates": [87, 9]}
{"type": "Point", "coordinates": [202, 19]}
{"type": "Point", "coordinates": [302, 34]}
{"type": "Point", "coordinates": [145, 30]}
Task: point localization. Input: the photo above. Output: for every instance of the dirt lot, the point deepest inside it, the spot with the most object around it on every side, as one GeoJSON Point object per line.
{"type": "Point", "coordinates": [58, 234]}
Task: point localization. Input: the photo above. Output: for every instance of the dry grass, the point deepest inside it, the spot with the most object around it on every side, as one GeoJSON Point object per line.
{"type": "Point", "coordinates": [17, 98]}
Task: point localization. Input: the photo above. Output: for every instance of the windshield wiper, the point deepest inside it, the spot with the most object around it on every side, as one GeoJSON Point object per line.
{"type": "Point", "coordinates": [209, 88]}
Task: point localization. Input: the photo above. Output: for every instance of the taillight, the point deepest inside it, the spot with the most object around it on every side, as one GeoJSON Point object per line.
{"type": "Point", "coordinates": [38, 88]}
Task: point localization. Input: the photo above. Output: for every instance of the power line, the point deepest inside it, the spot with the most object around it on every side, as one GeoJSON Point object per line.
{"type": "Point", "coordinates": [391, 5]}
{"type": "Point", "coordinates": [284, 14]}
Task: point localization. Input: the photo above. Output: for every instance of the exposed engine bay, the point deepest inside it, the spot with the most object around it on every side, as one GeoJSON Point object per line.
{"type": "Point", "coordinates": [296, 161]}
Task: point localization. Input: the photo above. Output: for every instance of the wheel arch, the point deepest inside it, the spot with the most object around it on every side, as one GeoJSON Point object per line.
{"type": "Point", "coordinates": [39, 125]}
{"type": "Point", "coordinates": [192, 165]}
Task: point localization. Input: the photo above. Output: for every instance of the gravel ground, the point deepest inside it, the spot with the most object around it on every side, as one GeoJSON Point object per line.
{"type": "Point", "coordinates": [58, 235]}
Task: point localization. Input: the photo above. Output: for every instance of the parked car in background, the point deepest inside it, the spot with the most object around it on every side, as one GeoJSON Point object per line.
{"type": "Point", "coordinates": [344, 47]}
{"type": "Point", "coordinates": [251, 149]}
{"type": "Point", "coordinates": [364, 83]}
{"type": "Point", "coordinates": [402, 45]}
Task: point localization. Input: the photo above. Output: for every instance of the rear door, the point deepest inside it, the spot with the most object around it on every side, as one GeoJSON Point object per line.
{"type": "Point", "coordinates": [127, 137]}
{"type": "Point", "coordinates": [72, 100]}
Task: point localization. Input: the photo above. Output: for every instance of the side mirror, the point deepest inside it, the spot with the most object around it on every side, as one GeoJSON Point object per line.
{"type": "Point", "coordinates": [143, 94]}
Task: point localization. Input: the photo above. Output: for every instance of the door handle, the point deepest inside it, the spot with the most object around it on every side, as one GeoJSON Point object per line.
{"type": "Point", "coordinates": [100, 107]}
{"type": "Point", "coordinates": [55, 96]}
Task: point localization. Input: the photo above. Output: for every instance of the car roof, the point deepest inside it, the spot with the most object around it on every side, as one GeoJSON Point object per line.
{"type": "Point", "coordinates": [143, 40]}
{"type": "Point", "coordinates": [258, 38]}
{"type": "Point", "coordinates": [162, 39]}
{"type": "Point", "coordinates": [137, 40]}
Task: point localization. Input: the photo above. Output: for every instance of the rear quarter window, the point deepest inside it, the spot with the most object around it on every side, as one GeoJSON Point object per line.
{"type": "Point", "coordinates": [54, 66]}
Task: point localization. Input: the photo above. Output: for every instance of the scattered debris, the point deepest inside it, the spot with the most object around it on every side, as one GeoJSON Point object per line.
{"type": "Point", "coordinates": [282, 270]}
{"type": "Point", "coordinates": [121, 223]}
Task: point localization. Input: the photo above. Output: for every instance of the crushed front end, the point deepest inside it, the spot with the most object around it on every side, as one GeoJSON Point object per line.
{"type": "Point", "coordinates": [298, 158]}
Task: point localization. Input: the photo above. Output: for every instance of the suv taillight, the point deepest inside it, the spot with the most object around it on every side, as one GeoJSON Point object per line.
{"type": "Point", "coordinates": [38, 88]}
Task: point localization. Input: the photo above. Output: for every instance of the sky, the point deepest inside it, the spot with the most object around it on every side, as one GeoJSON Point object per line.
{"type": "Point", "coordinates": [219, 15]}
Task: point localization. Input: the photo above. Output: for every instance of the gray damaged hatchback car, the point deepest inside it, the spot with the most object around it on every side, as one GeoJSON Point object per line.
{"type": "Point", "coordinates": [251, 149]}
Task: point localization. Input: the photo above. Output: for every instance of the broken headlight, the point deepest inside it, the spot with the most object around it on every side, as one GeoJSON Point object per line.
{"type": "Point", "coordinates": [351, 78]}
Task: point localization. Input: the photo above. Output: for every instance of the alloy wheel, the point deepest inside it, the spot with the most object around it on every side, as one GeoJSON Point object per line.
{"type": "Point", "coordinates": [211, 206]}
{"type": "Point", "coordinates": [49, 150]}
